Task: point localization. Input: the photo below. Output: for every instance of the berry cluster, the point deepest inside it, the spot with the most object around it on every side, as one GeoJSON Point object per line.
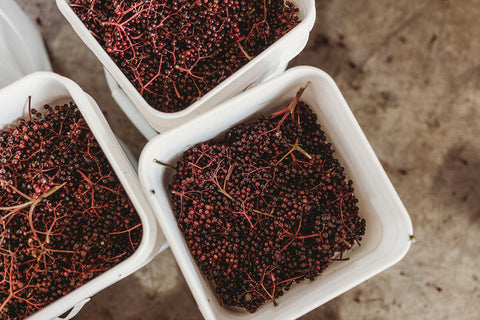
{"type": "Point", "coordinates": [265, 206]}
{"type": "Point", "coordinates": [175, 51]}
{"type": "Point", "coordinates": [65, 217]}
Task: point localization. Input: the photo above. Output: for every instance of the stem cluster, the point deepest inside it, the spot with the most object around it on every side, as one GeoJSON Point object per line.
{"type": "Point", "coordinates": [64, 217]}
{"type": "Point", "coordinates": [265, 206]}
{"type": "Point", "coordinates": [175, 51]}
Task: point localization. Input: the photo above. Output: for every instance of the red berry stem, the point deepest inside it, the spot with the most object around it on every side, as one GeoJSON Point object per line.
{"type": "Point", "coordinates": [65, 217]}
{"type": "Point", "coordinates": [175, 51]}
{"type": "Point", "coordinates": [265, 206]}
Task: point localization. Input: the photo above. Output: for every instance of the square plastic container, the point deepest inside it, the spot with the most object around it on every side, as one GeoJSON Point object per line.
{"type": "Point", "coordinates": [49, 88]}
{"type": "Point", "coordinates": [388, 225]}
{"type": "Point", "coordinates": [278, 54]}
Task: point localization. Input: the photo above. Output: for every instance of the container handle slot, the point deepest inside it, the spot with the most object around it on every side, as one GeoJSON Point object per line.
{"type": "Point", "coordinates": [74, 311]}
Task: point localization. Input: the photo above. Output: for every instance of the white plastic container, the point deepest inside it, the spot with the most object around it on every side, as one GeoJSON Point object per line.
{"type": "Point", "coordinates": [50, 88]}
{"type": "Point", "coordinates": [21, 47]}
{"type": "Point", "coordinates": [278, 54]}
{"type": "Point", "coordinates": [388, 226]}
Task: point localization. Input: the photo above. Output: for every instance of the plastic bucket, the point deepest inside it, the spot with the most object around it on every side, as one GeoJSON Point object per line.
{"type": "Point", "coordinates": [21, 47]}
{"type": "Point", "coordinates": [388, 225]}
{"type": "Point", "coordinates": [278, 54]}
{"type": "Point", "coordinates": [49, 88]}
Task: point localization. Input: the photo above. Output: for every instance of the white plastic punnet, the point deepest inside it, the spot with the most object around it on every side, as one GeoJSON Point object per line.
{"type": "Point", "coordinates": [21, 47]}
{"type": "Point", "coordinates": [278, 54]}
{"type": "Point", "coordinates": [49, 88]}
{"type": "Point", "coordinates": [388, 225]}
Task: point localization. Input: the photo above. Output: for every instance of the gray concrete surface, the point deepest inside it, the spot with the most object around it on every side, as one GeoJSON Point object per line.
{"type": "Point", "coordinates": [410, 71]}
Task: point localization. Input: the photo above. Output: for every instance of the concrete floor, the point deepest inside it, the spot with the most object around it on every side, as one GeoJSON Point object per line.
{"type": "Point", "coordinates": [410, 71]}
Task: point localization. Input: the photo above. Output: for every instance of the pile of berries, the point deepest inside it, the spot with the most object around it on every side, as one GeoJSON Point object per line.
{"type": "Point", "coordinates": [175, 51]}
{"type": "Point", "coordinates": [64, 216]}
{"type": "Point", "coordinates": [265, 206]}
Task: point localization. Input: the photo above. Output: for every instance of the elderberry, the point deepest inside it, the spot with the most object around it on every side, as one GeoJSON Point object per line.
{"type": "Point", "coordinates": [265, 206]}
{"type": "Point", "coordinates": [175, 51]}
{"type": "Point", "coordinates": [65, 217]}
